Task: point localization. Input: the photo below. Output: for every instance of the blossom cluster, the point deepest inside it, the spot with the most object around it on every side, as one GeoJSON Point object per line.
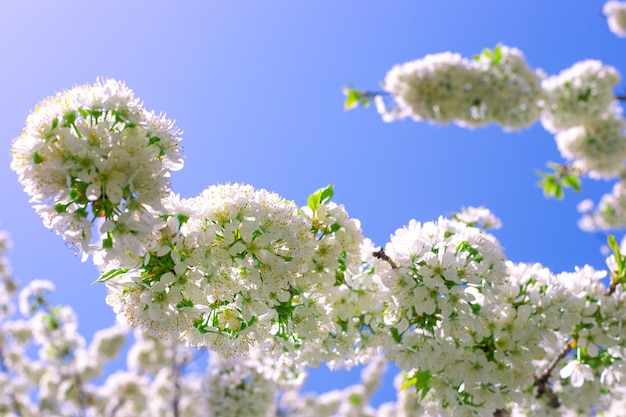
{"type": "Point", "coordinates": [495, 87]}
{"type": "Point", "coordinates": [238, 268]}
{"type": "Point", "coordinates": [578, 106]}
{"type": "Point", "coordinates": [582, 112]}
{"type": "Point", "coordinates": [94, 151]}
{"type": "Point", "coordinates": [615, 12]}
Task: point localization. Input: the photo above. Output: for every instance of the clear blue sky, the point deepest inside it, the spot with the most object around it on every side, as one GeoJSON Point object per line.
{"type": "Point", "coordinates": [256, 86]}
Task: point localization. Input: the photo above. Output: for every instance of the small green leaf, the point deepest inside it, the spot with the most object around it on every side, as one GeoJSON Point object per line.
{"type": "Point", "coordinates": [408, 383]}
{"type": "Point", "coordinates": [314, 200]}
{"type": "Point", "coordinates": [321, 196]}
{"type": "Point", "coordinates": [182, 218]}
{"type": "Point", "coordinates": [421, 380]}
{"type": "Point", "coordinates": [619, 259]}
{"type": "Point", "coordinates": [572, 181]}
{"type": "Point", "coordinates": [548, 184]}
{"type": "Point", "coordinates": [353, 98]}
{"type": "Point", "coordinates": [69, 118]}
{"type": "Point", "coordinates": [327, 194]}
{"type": "Point", "coordinates": [184, 303]}
{"type": "Point", "coordinates": [107, 243]}
{"type": "Point", "coordinates": [37, 159]}
{"type": "Point", "coordinates": [497, 54]}
{"type": "Point", "coordinates": [110, 275]}
{"type": "Point", "coordinates": [558, 191]}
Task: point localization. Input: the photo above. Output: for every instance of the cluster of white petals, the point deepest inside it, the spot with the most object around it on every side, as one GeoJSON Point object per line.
{"type": "Point", "coordinates": [238, 268]}
{"type": "Point", "coordinates": [598, 146]}
{"type": "Point", "coordinates": [579, 94]}
{"type": "Point", "coordinates": [578, 106]}
{"type": "Point", "coordinates": [615, 12]}
{"type": "Point", "coordinates": [496, 87]}
{"type": "Point", "coordinates": [94, 151]}
{"type": "Point", "coordinates": [610, 212]}
{"type": "Point", "coordinates": [480, 217]}
{"type": "Point", "coordinates": [589, 126]}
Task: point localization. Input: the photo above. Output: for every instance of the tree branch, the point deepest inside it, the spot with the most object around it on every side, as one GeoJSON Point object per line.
{"type": "Point", "coordinates": [16, 405]}
{"type": "Point", "coordinates": [541, 381]}
{"type": "Point", "coordinates": [176, 371]}
{"type": "Point", "coordinates": [80, 394]}
{"type": "Point", "coordinates": [380, 254]}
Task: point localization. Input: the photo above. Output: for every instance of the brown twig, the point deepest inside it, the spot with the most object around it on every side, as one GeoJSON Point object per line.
{"type": "Point", "coordinates": [541, 381]}
{"type": "Point", "coordinates": [380, 254]}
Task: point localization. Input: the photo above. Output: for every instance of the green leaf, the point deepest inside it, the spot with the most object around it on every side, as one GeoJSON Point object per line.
{"type": "Point", "coordinates": [314, 200]}
{"type": "Point", "coordinates": [107, 243]}
{"type": "Point", "coordinates": [60, 208]}
{"type": "Point", "coordinates": [37, 159]}
{"type": "Point", "coordinates": [408, 383]}
{"type": "Point", "coordinates": [69, 119]}
{"type": "Point", "coordinates": [421, 380]}
{"type": "Point", "coordinates": [110, 275]}
{"type": "Point", "coordinates": [327, 194]}
{"type": "Point", "coordinates": [497, 54]}
{"type": "Point", "coordinates": [182, 218]}
{"type": "Point", "coordinates": [572, 181]}
{"type": "Point", "coordinates": [321, 196]}
{"type": "Point", "coordinates": [619, 259]}
{"type": "Point", "coordinates": [353, 98]}
{"type": "Point", "coordinates": [558, 191]}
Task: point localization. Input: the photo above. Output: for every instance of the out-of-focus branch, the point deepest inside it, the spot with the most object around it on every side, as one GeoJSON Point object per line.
{"type": "Point", "coordinates": [14, 403]}
{"type": "Point", "coordinates": [176, 368]}
{"type": "Point", "coordinates": [80, 394]}
{"type": "Point", "coordinates": [541, 380]}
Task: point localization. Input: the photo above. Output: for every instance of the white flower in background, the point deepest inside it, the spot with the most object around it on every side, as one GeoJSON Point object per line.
{"type": "Point", "coordinates": [479, 217]}
{"type": "Point", "coordinates": [33, 295]}
{"type": "Point", "coordinates": [597, 147]}
{"type": "Point", "coordinates": [578, 95]}
{"type": "Point", "coordinates": [615, 12]}
{"type": "Point", "coordinates": [496, 87]}
{"type": "Point", "coordinates": [237, 388]}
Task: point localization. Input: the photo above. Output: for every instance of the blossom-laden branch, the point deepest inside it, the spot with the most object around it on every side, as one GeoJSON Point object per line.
{"type": "Point", "coordinates": [238, 268]}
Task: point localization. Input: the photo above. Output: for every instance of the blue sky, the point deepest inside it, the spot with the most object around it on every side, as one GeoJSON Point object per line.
{"type": "Point", "coordinates": [256, 86]}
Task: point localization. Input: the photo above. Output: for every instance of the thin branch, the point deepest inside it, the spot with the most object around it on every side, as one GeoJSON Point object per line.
{"type": "Point", "coordinates": [541, 381]}
{"type": "Point", "coordinates": [501, 413]}
{"type": "Point", "coordinates": [177, 370]}
{"type": "Point", "coordinates": [80, 394]}
{"type": "Point", "coordinates": [621, 97]}
{"type": "Point", "coordinates": [380, 254]}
